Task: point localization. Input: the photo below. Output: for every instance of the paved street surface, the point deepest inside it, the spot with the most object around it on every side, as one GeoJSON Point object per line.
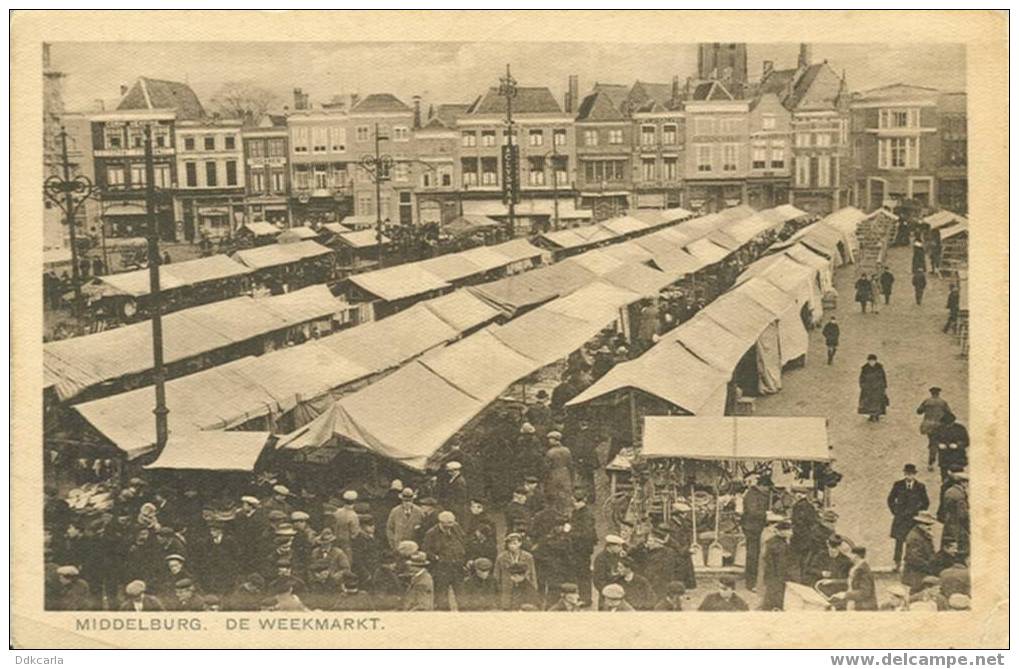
{"type": "Point", "coordinates": [916, 355]}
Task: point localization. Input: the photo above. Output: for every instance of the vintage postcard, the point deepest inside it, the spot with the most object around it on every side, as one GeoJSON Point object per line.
{"type": "Point", "coordinates": [468, 329]}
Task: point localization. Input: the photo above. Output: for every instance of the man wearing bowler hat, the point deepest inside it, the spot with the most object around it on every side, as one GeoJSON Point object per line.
{"type": "Point", "coordinates": [907, 498]}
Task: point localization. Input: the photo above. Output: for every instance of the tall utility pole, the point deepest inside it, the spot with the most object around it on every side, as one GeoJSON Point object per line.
{"type": "Point", "coordinates": [156, 298]}
{"type": "Point", "coordinates": [555, 182]}
{"type": "Point", "coordinates": [69, 194]}
{"type": "Point", "coordinates": [511, 152]}
{"type": "Point", "coordinates": [378, 167]}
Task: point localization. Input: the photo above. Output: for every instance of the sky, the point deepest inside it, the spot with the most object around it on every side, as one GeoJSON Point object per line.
{"type": "Point", "coordinates": [443, 72]}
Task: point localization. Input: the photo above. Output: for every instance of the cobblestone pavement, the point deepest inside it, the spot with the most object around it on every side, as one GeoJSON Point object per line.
{"type": "Point", "coordinates": [916, 355]}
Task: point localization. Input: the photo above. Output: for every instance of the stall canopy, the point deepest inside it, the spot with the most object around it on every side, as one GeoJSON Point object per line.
{"type": "Point", "coordinates": [336, 228]}
{"type": "Point", "coordinates": [174, 275]}
{"type": "Point", "coordinates": [783, 214]}
{"type": "Point", "coordinates": [52, 258]}
{"type": "Point", "coordinates": [624, 225]}
{"type": "Point", "coordinates": [228, 395]}
{"type": "Point", "coordinates": [462, 310]}
{"type": "Point", "coordinates": [530, 207]}
{"type": "Point", "coordinates": [469, 224]}
{"type": "Point", "coordinates": [296, 234]}
{"type": "Point", "coordinates": [275, 255]}
{"type": "Point", "coordinates": [669, 372]}
{"type": "Point", "coordinates": [485, 259]}
{"type": "Point", "coordinates": [736, 438]}
{"type": "Point", "coordinates": [711, 342]}
{"type": "Point", "coordinates": [950, 231]}
{"type": "Point", "coordinates": [399, 282]}
{"type": "Point", "coordinates": [520, 291]}
{"type": "Point", "coordinates": [574, 238]}
{"type": "Point", "coordinates": [940, 219]}
{"type": "Point", "coordinates": [212, 451]}
{"type": "Point", "coordinates": [360, 239]}
{"type": "Point", "coordinates": [73, 365]}
{"type": "Point", "coordinates": [707, 251]}
{"type": "Point", "coordinates": [793, 339]}
{"type": "Point", "coordinates": [262, 229]}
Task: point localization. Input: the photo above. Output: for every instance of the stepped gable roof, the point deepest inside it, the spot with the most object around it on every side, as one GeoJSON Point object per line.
{"type": "Point", "coordinates": [528, 100]}
{"type": "Point", "coordinates": [147, 93]}
{"type": "Point", "coordinates": [380, 102]}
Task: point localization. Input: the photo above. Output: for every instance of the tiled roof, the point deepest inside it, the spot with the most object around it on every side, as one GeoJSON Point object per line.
{"type": "Point", "coordinates": [599, 107]}
{"type": "Point", "coordinates": [528, 100]}
{"type": "Point", "coordinates": [710, 90]}
{"type": "Point", "coordinates": [895, 91]}
{"type": "Point", "coordinates": [776, 82]}
{"type": "Point", "coordinates": [447, 114]}
{"type": "Point", "coordinates": [380, 102]}
{"type": "Point", "coordinates": [616, 92]}
{"type": "Point", "coordinates": [160, 94]}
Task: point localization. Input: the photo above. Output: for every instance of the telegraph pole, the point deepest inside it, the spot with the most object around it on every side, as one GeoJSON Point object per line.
{"type": "Point", "coordinates": [378, 198]}
{"type": "Point", "coordinates": [511, 152]}
{"type": "Point", "coordinates": [156, 298]}
{"type": "Point", "coordinates": [555, 182]}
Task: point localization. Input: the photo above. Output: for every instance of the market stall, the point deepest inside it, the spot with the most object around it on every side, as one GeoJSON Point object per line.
{"type": "Point", "coordinates": [689, 470]}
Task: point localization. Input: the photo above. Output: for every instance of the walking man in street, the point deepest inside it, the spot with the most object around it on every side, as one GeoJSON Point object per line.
{"type": "Point", "coordinates": [907, 498]}
{"type": "Point", "coordinates": [831, 334]}
{"type": "Point", "coordinates": [933, 409]}
{"type": "Point", "coordinates": [864, 292]}
{"type": "Point", "coordinates": [953, 309]}
{"type": "Point", "coordinates": [918, 559]}
{"type": "Point", "coordinates": [886, 279]}
{"type": "Point", "coordinates": [919, 285]}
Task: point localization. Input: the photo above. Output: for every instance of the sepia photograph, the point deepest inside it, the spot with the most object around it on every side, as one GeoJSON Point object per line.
{"type": "Point", "coordinates": [358, 331]}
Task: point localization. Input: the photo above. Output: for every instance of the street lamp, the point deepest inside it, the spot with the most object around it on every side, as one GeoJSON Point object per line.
{"type": "Point", "coordinates": [69, 194]}
{"type": "Point", "coordinates": [378, 167]}
{"type": "Point", "coordinates": [510, 166]}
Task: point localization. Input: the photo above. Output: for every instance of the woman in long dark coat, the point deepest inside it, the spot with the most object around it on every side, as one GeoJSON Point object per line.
{"type": "Point", "coordinates": [873, 389]}
{"type": "Point", "coordinates": [864, 292]}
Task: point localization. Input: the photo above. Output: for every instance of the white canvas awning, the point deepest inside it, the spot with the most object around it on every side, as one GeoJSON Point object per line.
{"type": "Point", "coordinates": [736, 438]}
{"type": "Point", "coordinates": [212, 451]}
{"type": "Point", "coordinates": [262, 229]}
{"type": "Point", "coordinates": [275, 255]}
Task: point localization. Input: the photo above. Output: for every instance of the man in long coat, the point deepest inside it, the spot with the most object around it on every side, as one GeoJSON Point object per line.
{"type": "Point", "coordinates": [404, 519]}
{"type": "Point", "coordinates": [585, 537]}
{"type": "Point", "coordinates": [558, 475]}
{"type": "Point", "coordinates": [919, 553]}
{"type": "Point", "coordinates": [775, 566]}
{"type": "Point", "coordinates": [907, 498]}
{"type": "Point", "coordinates": [873, 389]}
{"type": "Point", "coordinates": [954, 513]}
{"type": "Point", "coordinates": [513, 555]}
{"type": "Point", "coordinates": [932, 409]}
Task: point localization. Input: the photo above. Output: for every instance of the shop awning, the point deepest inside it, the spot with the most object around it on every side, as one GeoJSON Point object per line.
{"type": "Point", "coordinates": [669, 372]}
{"type": "Point", "coordinates": [485, 259]}
{"type": "Point", "coordinates": [578, 237]}
{"type": "Point", "coordinates": [213, 451]}
{"type": "Point", "coordinates": [480, 366]}
{"type": "Point", "coordinates": [336, 228]}
{"type": "Point", "coordinates": [261, 229]}
{"type": "Point", "coordinates": [125, 209]}
{"type": "Point", "coordinates": [782, 214]}
{"type": "Point", "coordinates": [399, 282]}
{"type": "Point", "coordinates": [275, 255]}
{"type": "Point", "coordinates": [745, 230]}
{"type": "Point", "coordinates": [736, 438]}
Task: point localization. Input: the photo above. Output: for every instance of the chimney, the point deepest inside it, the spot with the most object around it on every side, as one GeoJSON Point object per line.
{"type": "Point", "coordinates": [804, 60]}
{"type": "Point", "coordinates": [675, 87]}
{"type": "Point", "coordinates": [417, 112]}
{"type": "Point", "coordinates": [300, 99]}
{"type": "Point", "coordinates": [572, 92]}
{"type": "Point", "coordinates": [123, 90]}
{"type": "Point", "coordinates": [354, 99]}
{"type": "Point", "coordinates": [767, 69]}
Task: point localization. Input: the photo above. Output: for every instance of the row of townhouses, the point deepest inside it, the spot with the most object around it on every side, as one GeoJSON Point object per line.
{"type": "Point", "coordinates": [793, 135]}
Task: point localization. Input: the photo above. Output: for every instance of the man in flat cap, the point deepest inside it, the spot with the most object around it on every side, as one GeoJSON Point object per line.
{"type": "Point", "coordinates": [907, 498]}
{"type": "Point", "coordinates": [932, 409]}
{"type": "Point", "coordinates": [404, 519]}
{"type": "Point", "coordinates": [321, 590]}
{"type": "Point", "coordinates": [279, 500]}
{"type": "Point", "coordinates": [138, 600]}
{"type": "Point", "coordinates": [569, 599]}
{"type": "Point", "coordinates": [776, 567]}
{"type": "Point", "coordinates": [725, 598]}
{"type": "Point", "coordinates": [606, 561]}
{"type": "Point", "coordinates": [186, 597]}
{"type": "Point", "coordinates": [613, 599]}
{"type": "Point", "coordinates": [445, 544]}
{"type": "Point", "coordinates": [639, 593]}
{"type": "Point", "coordinates": [512, 554]}
{"type": "Point", "coordinates": [918, 556]}
{"type": "Point", "coordinates": [72, 593]}
{"type": "Point", "coordinates": [346, 522]}
{"type": "Point", "coordinates": [521, 590]}
{"type": "Point", "coordinates": [452, 491]}
{"type": "Point", "coordinates": [480, 591]}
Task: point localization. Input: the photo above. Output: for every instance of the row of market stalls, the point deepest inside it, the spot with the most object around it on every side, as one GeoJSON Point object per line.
{"type": "Point", "coordinates": [121, 358]}
{"type": "Point", "coordinates": [288, 386]}
{"type": "Point", "coordinates": [286, 390]}
{"type": "Point", "coordinates": [411, 415]}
